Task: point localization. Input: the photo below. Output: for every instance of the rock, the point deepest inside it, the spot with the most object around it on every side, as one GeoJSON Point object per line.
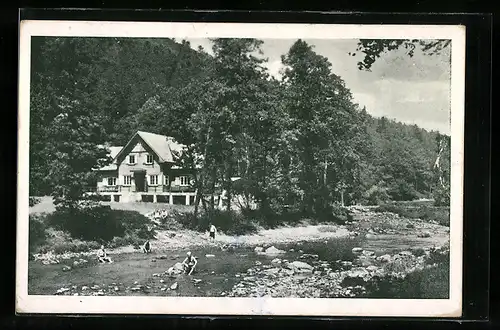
{"type": "Point", "coordinates": [117, 289]}
{"type": "Point", "coordinates": [258, 263]}
{"type": "Point", "coordinates": [66, 268]}
{"type": "Point", "coordinates": [357, 250]}
{"type": "Point", "coordinates": [423, 235]}
{"type": "Point", "coordinates": [309, 256]}
{"type": "Point", "coordinates": [300, 267]}
{"type": "Point", "coordinates": [385, 258]}
{"type": "Point", "coordinates": [85, 288]}
{"type": "Point", "coordinates": [271, 271]}
{"type": "Point", "coordinates": [176, 269]}
{"type": "Point", "coordinates": [276, 261]}
{"type": "Point", "coordinates": [163, 289]}
{"type": "Point", "coordinates": [372, 268]}
{"type": "Point", "coordinates": [368, 253]}
{"type": "Point", "coordinates": [196, 280]}
{"type": "Point", "coordinates": [291, 250]}
{"type": "Point", "coordinates": [162, 257]}
{"type": "Point", "coordinates": [174, 286]}
{"type": "Point", "coordinates": [406, 253]}
{"type": "Point", "coordinates": [153, 260]}
{"type": "Point", "coordinates": [273, 250]}
{"type": "Point", "coordinates": [237, 275]}
{"type": "Point", "coordinates": [209, 255]}
{"type": "Point", "coordinates": [300, 251]}
{"type": "Point", "coordinates": [259, 249]}
{"type": "Point", "coordinates": [346, 263]}
{"type": "Point", "coordinates": [136, 288]}
{"type": "Point", "coordinates": [136, 282]}
{"type": "Point", "coordinates": [271, 283]}
{"type": "Point", "coordinates": [162, 281]}
{"type": "Point", "coordinates": [156, 275]}
{"type": "Point", "coordinates": [75, 294]}
{"type": "Point", "coordinates": [95, 287]}
{"type": "Point", "coordinates": [62, 290]}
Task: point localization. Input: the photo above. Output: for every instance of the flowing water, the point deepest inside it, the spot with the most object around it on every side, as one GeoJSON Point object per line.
{"type": "Point", "coordinates": [214, 275]}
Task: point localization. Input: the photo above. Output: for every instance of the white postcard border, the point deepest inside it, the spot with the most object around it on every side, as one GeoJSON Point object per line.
{"type": "Point", "coordinates": [243, 306]}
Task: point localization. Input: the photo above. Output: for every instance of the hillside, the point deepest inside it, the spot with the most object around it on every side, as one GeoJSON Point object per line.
{"type": "Point", "coordinates": [299, 142]}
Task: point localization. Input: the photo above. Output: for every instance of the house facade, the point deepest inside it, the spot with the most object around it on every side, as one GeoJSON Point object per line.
{"type": "Point", "coordinates": [145, 170]}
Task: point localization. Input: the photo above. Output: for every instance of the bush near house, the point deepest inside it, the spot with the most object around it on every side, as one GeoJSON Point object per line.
{"type": "Point", "coordinates": [86, 228]}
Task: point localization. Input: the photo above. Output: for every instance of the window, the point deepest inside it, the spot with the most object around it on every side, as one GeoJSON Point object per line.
{"type": "Point", "coordinates": [149, 159]}
{"type": "Point", "coordinates": [131, 159]}
{"type": "Point", "coordinates": [184, 180]}
{"type": "Point", "coordinates": [165, 180]}
{"type": "Point", "coordinates": [111, 181]}
{"type": "Point", "coordinates": [127, 180]}
{"type": "Point", "coordinates": [153, 179]}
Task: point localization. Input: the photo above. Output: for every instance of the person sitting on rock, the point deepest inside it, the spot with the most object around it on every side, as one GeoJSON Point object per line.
{"type": "Point", "coordinates": [102, 256]}
{"type": "Point", "coordinates": [189, 264]}
{"type": "Point", "coordinates": [146, 248]}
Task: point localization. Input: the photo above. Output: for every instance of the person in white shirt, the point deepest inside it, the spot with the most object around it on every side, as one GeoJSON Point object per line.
{"type": "Point", "coordinates": [102, 256]}
{"type": "Point", "coordinates": [189, 263]}
{"type": "Point", "coordinates": [212, 231]}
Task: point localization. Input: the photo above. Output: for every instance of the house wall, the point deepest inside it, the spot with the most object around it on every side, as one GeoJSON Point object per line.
{"type": "Point", "coordinates": [124, 169]}
{"type": "Point", "coordinates": [102, 182]}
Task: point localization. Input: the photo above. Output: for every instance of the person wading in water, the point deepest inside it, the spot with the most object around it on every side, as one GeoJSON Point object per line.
{"type": "Point", "coordinates": [189, 264]}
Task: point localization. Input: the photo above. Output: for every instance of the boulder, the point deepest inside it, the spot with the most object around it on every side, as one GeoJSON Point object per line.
{"type": "Point", "coordinates": [62, 290]}
{"type": "Point", "coordinates": [300, 267]}
{"type": "Point", "coordinates": [273, 250]}
{"type": "Point", "coordinates": [66, 268]}
{"type": "Point", "coordinates": [210, 255]}
{"type": "Point", "coordinates": [368, 253]}
{"type": "Point", "coordinates": [357, 250]}
{"type": "Point", "coordinates": [423, 235]}
{"type": "Point", "coordinates": [276, 261]}
{"type": "Point", "coordinates": [258, 249]}
{"type": "Point", "coordinates": [176, 269]}
{"type": "Point", "coordinates": [174, 286]}
{"type": "Point", "coordinates": [385, 258]}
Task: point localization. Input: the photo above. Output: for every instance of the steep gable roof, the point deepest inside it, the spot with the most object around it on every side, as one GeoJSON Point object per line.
{"type": "Point", "coordinates": [163, 146]}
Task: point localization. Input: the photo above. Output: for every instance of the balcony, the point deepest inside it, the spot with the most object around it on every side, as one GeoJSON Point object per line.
{"type": "Point", "coordinates": [108, 189]}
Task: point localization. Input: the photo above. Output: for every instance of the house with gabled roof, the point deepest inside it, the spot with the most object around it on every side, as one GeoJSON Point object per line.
{"type": "Point", "coordinates": [145, 169]}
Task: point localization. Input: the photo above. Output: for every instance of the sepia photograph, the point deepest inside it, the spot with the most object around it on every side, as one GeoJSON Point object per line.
{"type": "Point", "coordinates": [230, 168]}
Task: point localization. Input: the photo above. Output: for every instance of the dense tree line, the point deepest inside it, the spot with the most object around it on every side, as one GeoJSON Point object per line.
{"type": "Point", "coordinates": [299, 142]}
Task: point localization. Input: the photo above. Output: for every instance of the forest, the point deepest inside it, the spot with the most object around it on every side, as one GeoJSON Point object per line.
{"type": "Point", "coordinates": [298, 143]}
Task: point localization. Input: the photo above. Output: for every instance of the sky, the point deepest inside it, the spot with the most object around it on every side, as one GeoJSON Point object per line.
{"type": "Point", "coordinates": [413, 90]}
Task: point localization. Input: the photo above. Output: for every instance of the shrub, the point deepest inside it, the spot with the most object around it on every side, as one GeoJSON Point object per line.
{"type": "Point", "coordinates": [375, 195]}
{"type": "Point", "coordinates": [75, 246]}
{"type": "Point", "coordinates": [37, 231]}
{"type": "Point", "coordinates": [442, 196]}
{"type": "Point", "coordinates": [229, 222]}
{"type": "Point", "coordinates": [441, 215]}
{"type": "Point", "coordinates": [94, 222]}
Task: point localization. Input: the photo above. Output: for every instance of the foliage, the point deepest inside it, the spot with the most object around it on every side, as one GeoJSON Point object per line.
{"type": "Point", "coordinates": [425, 212]}
{"type": "Point", "coordinates": [373, 48]}
{"type": "Point", "coordinates": [33, 201]}
{"type": "Point", "coordinates": [100, 223]}
{"type": "Point", "coordinates": [297, 145]}
{"type": "Point", "coordinates": [37, 231]}
{"type": "Point", "coordinates": [228, 222]}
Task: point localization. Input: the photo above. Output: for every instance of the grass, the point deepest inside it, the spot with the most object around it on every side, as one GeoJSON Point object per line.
{"type": "Point", "coordinates": [423, 210]}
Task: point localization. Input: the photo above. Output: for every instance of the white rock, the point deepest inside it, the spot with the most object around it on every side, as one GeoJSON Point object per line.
{"type": "Point", "coordinates": [357, 250]}
{"type": "Point", "coordinates": [209, 255]}
{"type": "Point", "coordinates": [273, 250]}
{"type": "Point", "coordinates": [276, 261]}
{"type": "Point", "coordinates": [174, 286]}
{"type": "Point", "coordinates": [300, 266]}
{"type": "Point", "coordinates": [259, 249]}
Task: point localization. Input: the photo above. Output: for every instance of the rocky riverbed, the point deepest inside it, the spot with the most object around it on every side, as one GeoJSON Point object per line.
{"type": "Point", "coordinates": [348, 261]}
